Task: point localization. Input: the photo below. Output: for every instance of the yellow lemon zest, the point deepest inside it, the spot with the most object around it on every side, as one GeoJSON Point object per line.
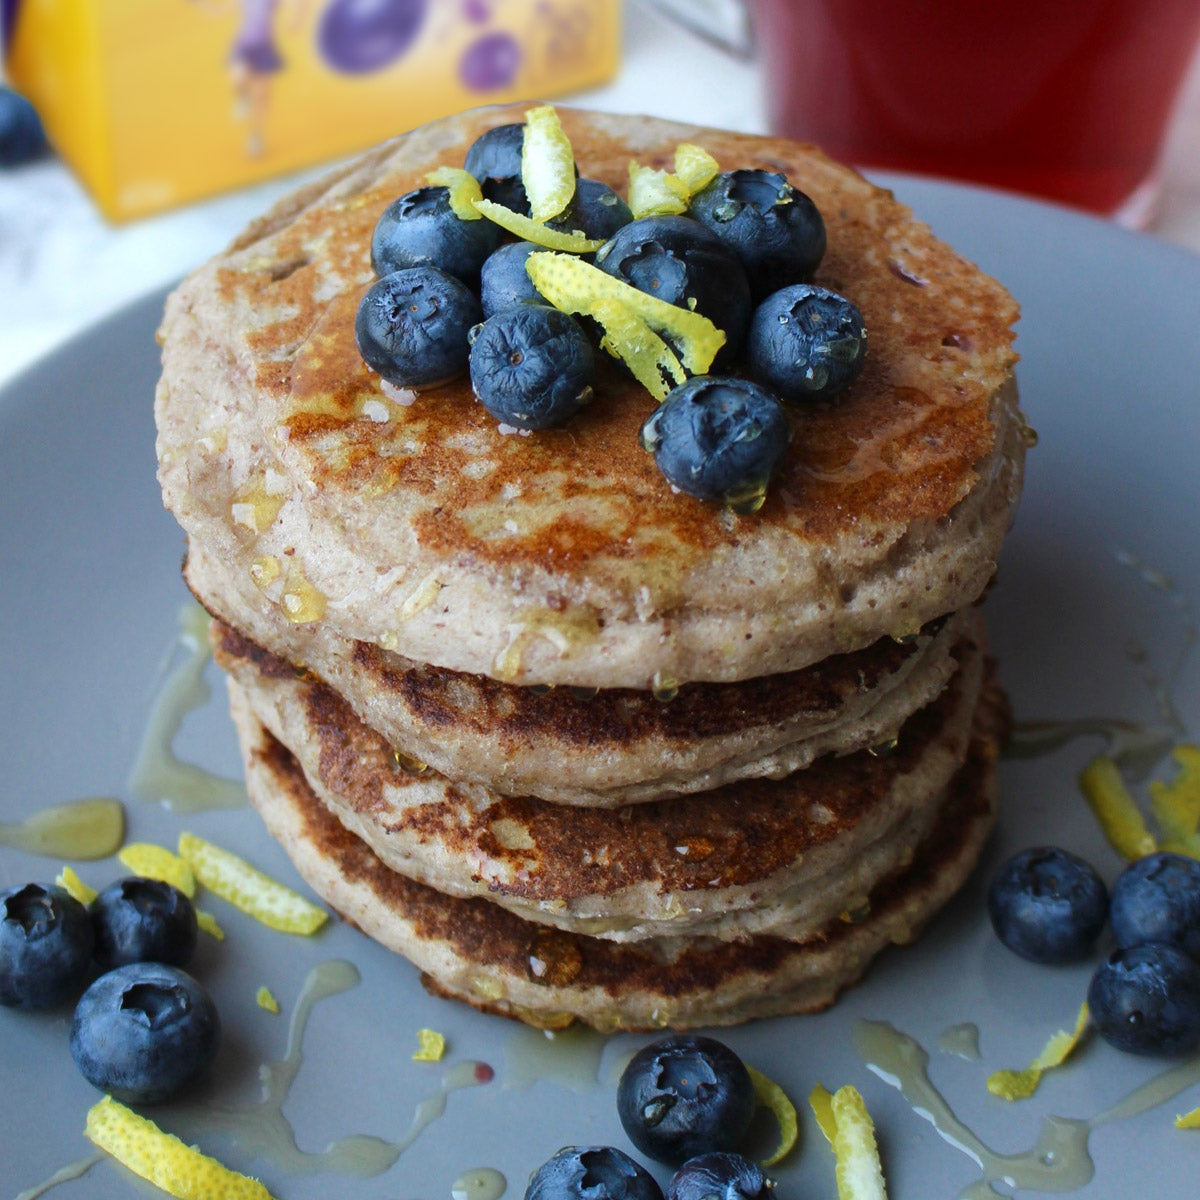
{"type": "Point", "coordinates": [209, 924]}
{"type": "Point", "coordinates": [656, 193]}
{"type": "Point", "coordinates": [547, 163]}
{"type": "Point", "coordinates": [845, 1122]}
{"type": "Point", "coordinates": [157, 862]}
{"type": "Point", "coordinates": [431, 1046]}
{"type": "Point", "coordinates": [533, 231]}
{"type": "Point", "coordinates": [75, 887]}
{"type": "Point", "coordinates": [1020, 1085]}
{"type": "Point", "coordinates": [821, 1103]}
{"type": "Point", "coordinates": [771, 1096]}
{"type": "Point", "coordinates": [629, 338]}
{"type": "Point", "coordinates": [264, 999]}
{"type": "Point", "coordinates": [695, 166]}
{"type": "Point", "coordinates": [181, 1170]}
{"type": "Point", "coordinates": [1110, 801]}
{"type": "Point", "coordinates": [464, 190]}
{"type": "Point", "coordinates": [1188, 1120]}
{"type": "Point", "coordinates": [1176, 804]}
{"type": "Point", "coordinates": [256, 894]}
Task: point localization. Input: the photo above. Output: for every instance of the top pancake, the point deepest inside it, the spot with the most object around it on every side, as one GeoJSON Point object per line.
{"type": "Point", "coordinates": [564, 557]}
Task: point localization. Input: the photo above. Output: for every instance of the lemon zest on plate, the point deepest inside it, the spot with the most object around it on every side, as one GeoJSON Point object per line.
{"type": "Point", "coordinates": [1020, 1085]}
{"type": "Point", "coordinates": [1188, 1120]}
{"type": "Point", "coordinates": [245, 887]}
{"type": "Point", "coordinates": [847, 1126]}
{"type": "Point", "coordinates": [534, 231]}
{"type": "Point", "coordinates": [265, 999]}
{"type": "Point", "coordinates": [771, 1096]}
{"type": "Point", "coordinates": [464, 190]}
{"type": "Point", "coordinates": [75, 887]}
{"type": "Point", "coordinates": [181, 1170]}
{"type": "Point", "coordinates": [209, 924]}
{"type": "Point", "coordinates": [547, 163]}
{"type": "Point", "coordinates": [431, 1046]}
{"type": "Point", "coordinates": [157, 862]}
{"type": "Point", "coordinates": [1113, 805]}
{"type": "Point", "coordinates": [1176, 804]}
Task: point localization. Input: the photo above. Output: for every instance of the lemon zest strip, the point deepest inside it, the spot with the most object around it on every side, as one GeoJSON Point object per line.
{"type": "Point", "coordinates": [695, 166]}
{"type": "Point", "coordinates": [547, 163]}
{"type": "Point", "coordinates": [1176, 804]}
{"type": "Point", "coordinates": [464, 191]}
{"type": "Point", "coordinates": [656, 193]}
{"type": "Point", "coordinates": [431, 1046]}
{"type": "Point", "coordinates": [629, 338]}
{"type": "Point", "coordinates": [847, 1125]}
{"type": "Point", "coordinates": [75, 887]}
{"type": "Point", "coordinates": [209, 924]}
{"type": "Point", "coordinates": [157, 862]}
{"type": "Point", "coordinates": [1020, 1085]}
{"type": "Point", "coordinates": [533, 231]}
{"type": "Point", "coordinates": [821, 1103]}
{"type": "Point", "coordinates": [1188, 1120]}
{"type": "Point", "coordinates": [244, 886]}
{"type": "Point", "coordinates": [181, 1170]}
{"type": "Point", "coordinates": [264, 998]}
{"type": "Point", "coordinates": [770, 1095]}
{"type": "Point", "coordinates": [1110, 801]}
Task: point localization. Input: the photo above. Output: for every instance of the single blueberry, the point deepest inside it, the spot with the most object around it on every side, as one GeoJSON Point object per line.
{"type": "Point", "coordinates": [22, 137]}
{"type": "Point", "coordinates": [806, 342]}
{"type": "Point", "coordinates": [1146, 999]}
{"type": "Point", "coordinates": [680, 261]}
{"type": "Point", "coordinates": [143, 920]}
{"type": "Point", "coordinates": [718, 438]}
{"type": "Point", "coordinates": [504, 280]}
{"type": "Point", "coordinates": [532, 366]}
{"type": "Point", "coordinates": [360, 36]}
{"type": "Point", "coordinates": [592, 1173]}
{"type": "Point", "coordinates": [595, 209]}
{"type": "Point", "coordinates": [412, 326]}
{"type": "Point", "coordinates": [1048, 905]}
{"type": "Point", "coordinates": [495, 160]}
{"type": "Point", "coordinates": [774, 229]}
{"type": "Point", "coordinates": [420, 229]}
{"type": "Point", "coordinates": [45, 946]}
{"type": "Point", "coordinates": [683, 1096]}
{"type": "Point", "coordinates": [719, 1176]}
{"type": "Point", "coordinates": [1157, 899]}
{"type": "Point", "coordinates": [490, 62]}
{"type": "Point", "coordinates": [144, 1031]}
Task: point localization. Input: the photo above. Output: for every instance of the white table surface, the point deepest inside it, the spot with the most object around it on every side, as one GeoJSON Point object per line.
{"type": "Point", "coordinates": [62, 266]}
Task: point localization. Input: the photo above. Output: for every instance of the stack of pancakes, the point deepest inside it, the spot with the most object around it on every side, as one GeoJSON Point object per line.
{"type": "Point", "coordinates": [578, 746]}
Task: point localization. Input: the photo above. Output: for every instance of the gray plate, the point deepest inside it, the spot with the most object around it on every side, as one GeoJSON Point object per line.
{"type": "Point", "coordinates": [1084, 626]}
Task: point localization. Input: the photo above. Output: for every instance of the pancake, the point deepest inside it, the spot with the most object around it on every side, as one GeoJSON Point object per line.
{"type": "Point", "coordinates": [475, 951]}
{"type": "Point", "coordinates": [618, 746]}
{"type": "Point", "coordinates": [781, 856]}
{"type": "Point", "coordinates": [564, 557]}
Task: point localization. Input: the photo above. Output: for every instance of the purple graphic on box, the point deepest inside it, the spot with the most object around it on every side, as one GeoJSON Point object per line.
{"type": "Point", "coordinates": [479, 12]}
{"type": "Point", "coordinates": [359, 36]}
{"type": "Point", "coordinates": [490, 62]}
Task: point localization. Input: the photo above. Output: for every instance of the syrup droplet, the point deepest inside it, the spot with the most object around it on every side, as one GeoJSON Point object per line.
{"type": "Point", "coordinates": [664, 688]}
{"type": "Point", "coordinates": [479, 1183]}
{"type": "Point", "coordinates": [80, 829]}
{"type": "Point", "coordinates": [408, 764]}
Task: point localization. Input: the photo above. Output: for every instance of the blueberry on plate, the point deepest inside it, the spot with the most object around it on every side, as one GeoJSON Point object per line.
{"type": "Point", "coordinates": [1048, 905]}
{"type": "Point", "coordinates": [1146, 1000]}
{"type": "Point", "coordinates": [595, 209]}
{"type": "Point", "coordinates": [806, 342]}
{"type": "Point", "coordinates": [719, 1176]}
{"type": "Point", "coordinates": [775, 229]}
{"type": "Point", "coordinates": [718, 438]}
{"type": "Point", "coordinates": [143, 1032]}
{"type": "Point", "coordinates": [412, 326]}
{"type": "Point", "coordinates": [504, 281]}
{"type": "Point", "coordinates": [143, 920]}
{"type": "Point", "coordinates": [1157, 899]}
{"type": "Point", "coordinates": [592, 1173]}
{"type": "Point", "coordinates": [532, 366]}
{"type": "Point", "coordinates": [495, 160]}
{"type": "Point", "coordinates": [22, 138]}
{"type": "Point", "coordinates": [422, 230]}
{"type": "Point", "coordinates": [683, 1096]}
{"type": "Point", "coordinates": [680, 261]}
{"type": "Point", "coordinates": [45, 946]}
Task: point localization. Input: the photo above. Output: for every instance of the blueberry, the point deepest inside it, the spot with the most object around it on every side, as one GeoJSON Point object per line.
{"type": "Point", "coordinates": [495, 160]}
{"type": "Point", "coordinates": [422, 230]}
{"type": "Point", "coordinates": [1047, 905]}
{"type": "Point", "coordinates": [22, 137]}
{"type": "Point", "coordinates": [360, 36]}
{"type": "Point", "coordinates": [683, 1096]}
{"type": "Point", "coordinates": [806, 342]}
{"type": "Point", "coordinates": [412, 326]}
{"type": "Point", "coordinates": [595, 209]}
{"type": "Point", "coordinates": [680, 261]}
{"type": "Point", "coordinates": [718, 438]}
{"type": "Point", "coordinates": [143, 920]}
{"type": "Point", "coordinates": [532, 366]}
{"type": "Point", "coordinates": [1157, 899]}
{"type": "Point", "coordinates": [1146, 1000]}
{"type": "Point", "coordinates": [592, 1173]}
{"type": "Point", "coordinates": [504, 281]}
{"type": "Point", "coordinates": [143, 1032]}
{"type": "Point", "coordinates": [45, 946]}
{"type": "Point", "coordinates": [719, 1176]}
{"type": "Point", "coordinates": [775, 230]}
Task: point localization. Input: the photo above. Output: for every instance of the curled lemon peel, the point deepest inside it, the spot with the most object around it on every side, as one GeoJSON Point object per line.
{"type": "Point", "coordinates": [1114, 807]}
{"type": "Point", "coordinates": [431, 1046]}
{"type": "Point", "coordinates": [847, 1126]}
{"type": "Point", "coordinates": [209, 924]}
{"type": "Point", "coordinates": [656, 193]}
{"type": "Point", "coordinates": [629, 338]}
{"type": "Point", "coordinates": [534, 231]}
{"type": "Point", "coordinates": [265, 999]}
{"type": "Point", "coordinates": [695, 166]}
{"type": "Point", "coordinates": [547, 164]}
{"type": "Point", "coordinates": [1188, 1120]}
{"type": "Point", "coordinates": [180, 1170]}
{"type": "Point", "coordinates": [157, 862]}
{"type": "Point", "coordinates": [464, 191]}
{"type": "Point", "coordinates": [249, 889]}
{"type": "Point", "coordinates": [75, 887]}
{"type": "Point", "coordinates": [771, 1096]}
{"type": "Point", "coordinates": [1020, 1085]}
{"type": "Point", "coordinates": [1176, 804]}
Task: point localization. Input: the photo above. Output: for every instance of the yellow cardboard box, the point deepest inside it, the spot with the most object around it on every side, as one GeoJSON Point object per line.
{"type": "Point", "coordinates": [157, 102]}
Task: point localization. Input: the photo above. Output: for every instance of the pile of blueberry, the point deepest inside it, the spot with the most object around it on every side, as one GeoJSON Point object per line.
{"type": "Point", "coordinates": [142, 1029]}
{"type": "Point", "coordinates": [1050, 906]}
{"type": "Point", "coordinates": [686, 1101]}
{"type": "Point", "coordinates": [453, 296]}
